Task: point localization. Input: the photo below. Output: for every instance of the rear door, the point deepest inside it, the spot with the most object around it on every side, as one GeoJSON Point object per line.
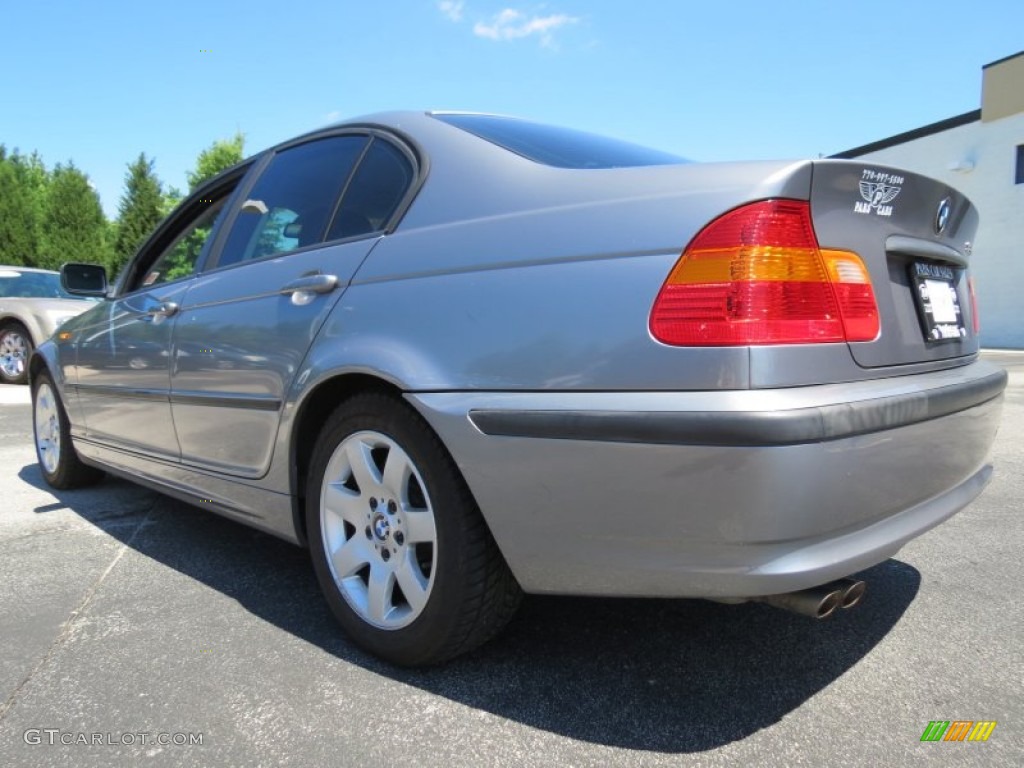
{"type": "Point", "coordinates": [297, 237]}
{"type": "Point", "coordinates": [914, 234]}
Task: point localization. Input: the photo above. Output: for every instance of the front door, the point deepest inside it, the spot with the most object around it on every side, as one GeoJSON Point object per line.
{"type": "Point", "coordinates": [123, 359]}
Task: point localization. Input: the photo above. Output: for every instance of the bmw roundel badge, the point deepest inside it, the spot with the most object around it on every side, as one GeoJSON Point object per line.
{"type": "Point", "coordinates": [942, 216]}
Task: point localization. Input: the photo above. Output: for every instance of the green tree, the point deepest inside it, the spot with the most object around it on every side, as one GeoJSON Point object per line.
{"type": "Point", "coordinates": [23, 182]}
{"type": "Point", "coordinates": [170, 200]}
{"type": "Point", "coordinates": [18, 246]}
{"type": "Point", "coordinates": [219, 156]}
{"type": "Point", "coordinates": [73, 221]}
{"type": "Point", "coordinates": [35, 180]}
{"type": "Point", "coordinates": [140, 209]}
{"type": "Point", "coordinates": [113, 264]}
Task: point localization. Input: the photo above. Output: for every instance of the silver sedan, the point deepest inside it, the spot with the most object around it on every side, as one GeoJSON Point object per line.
{"type": "Point", "coordinates": [462, 356]}
{"type": "Point", "coordinates": [32, 306]}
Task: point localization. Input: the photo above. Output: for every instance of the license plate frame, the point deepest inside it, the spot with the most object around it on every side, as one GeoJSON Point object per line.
{"type": "Point", "coordinates": [938, 301]}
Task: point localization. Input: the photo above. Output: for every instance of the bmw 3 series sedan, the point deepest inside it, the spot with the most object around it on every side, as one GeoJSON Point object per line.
{"type": "Point", "coordinates": [461, 357]}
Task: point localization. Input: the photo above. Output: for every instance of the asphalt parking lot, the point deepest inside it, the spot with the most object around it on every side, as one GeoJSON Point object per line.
{"type": "Point", "coordinates": [128, 618]}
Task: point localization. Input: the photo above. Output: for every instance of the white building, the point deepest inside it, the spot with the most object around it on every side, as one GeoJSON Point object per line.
{"type": "Point", "coordinates": [980, 153]}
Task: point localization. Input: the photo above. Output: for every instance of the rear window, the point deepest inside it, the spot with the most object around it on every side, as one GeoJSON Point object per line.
{"type": "Point", "coordinates": [558, 147]}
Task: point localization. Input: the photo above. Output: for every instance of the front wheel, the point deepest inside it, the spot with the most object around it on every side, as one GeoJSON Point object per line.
{"type": "Point", "coordinates": [57, 457]}
{"type": "Point", "coordinates": [15, 350]}
{"type": "Point", "coordinates": [401, 551]}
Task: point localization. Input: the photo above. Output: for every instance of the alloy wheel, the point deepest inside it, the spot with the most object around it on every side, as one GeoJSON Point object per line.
{"type": "Point", "coordinates": [378, 530]}
{"type": "Point", "coordinates": [14, 351]}
{"type": "Point", "coordinates": [47, 428]}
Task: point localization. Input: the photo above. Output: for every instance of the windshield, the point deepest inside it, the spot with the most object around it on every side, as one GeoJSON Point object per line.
{"type": "Point", "coordinates": [559, 147]}
{"type": "Point", "coordinates": [32, 285]}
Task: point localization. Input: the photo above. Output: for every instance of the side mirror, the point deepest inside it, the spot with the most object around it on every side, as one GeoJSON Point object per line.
{"type": "Point", "coordinates": [84, 279]}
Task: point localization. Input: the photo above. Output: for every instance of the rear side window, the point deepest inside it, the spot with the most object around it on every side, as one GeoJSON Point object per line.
{"type": "Point", "coordinates": [559, 147]}
{"type": "Point", "coordinates": [292, 201]}
{"type": "Point", "coordinates": [376, 190]}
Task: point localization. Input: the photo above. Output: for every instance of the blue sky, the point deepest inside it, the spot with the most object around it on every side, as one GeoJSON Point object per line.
{"type": "Point", "coordinates": [98, 82]}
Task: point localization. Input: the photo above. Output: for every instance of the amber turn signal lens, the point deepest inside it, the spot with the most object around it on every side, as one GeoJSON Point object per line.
{"type": "Point", "coordinates": [756, 275]}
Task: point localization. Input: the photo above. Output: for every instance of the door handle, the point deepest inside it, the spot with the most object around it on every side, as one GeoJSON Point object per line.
{"type": "Point", "coordinates": [163, 310]}
{"type": "Point", "coordinates": [311, 284]}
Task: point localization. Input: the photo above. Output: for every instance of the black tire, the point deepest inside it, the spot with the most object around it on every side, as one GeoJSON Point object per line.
{"type": "Point", "coordinates": [62, 469]}
{"type": "Point", "coordinates": [14, 335]}
{"type": "Point", "coordinates": [472, 593]}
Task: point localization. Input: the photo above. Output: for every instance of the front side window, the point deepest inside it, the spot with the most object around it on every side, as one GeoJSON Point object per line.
{"type": "Point", "coordinates": [179, 259]}
{"type": "Point", "coordinates": [291, 203]}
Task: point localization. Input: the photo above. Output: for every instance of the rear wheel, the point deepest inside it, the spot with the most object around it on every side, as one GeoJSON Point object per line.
{"type": "Point", "coordinates": [58, 460]}
{"type": "Point", "coordinates": [401, 551]}
{"type": "Point", "coordinates": [15, 350]}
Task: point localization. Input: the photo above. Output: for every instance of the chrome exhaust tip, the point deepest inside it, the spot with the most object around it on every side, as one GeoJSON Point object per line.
{"type": "Point", "coordinates": [816, 602]}
{"type": "Point", "coordinates": [853, 591]}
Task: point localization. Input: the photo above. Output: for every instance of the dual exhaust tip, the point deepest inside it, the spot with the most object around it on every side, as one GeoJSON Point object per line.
{"type": "Point", "coordinates": [819, 602]}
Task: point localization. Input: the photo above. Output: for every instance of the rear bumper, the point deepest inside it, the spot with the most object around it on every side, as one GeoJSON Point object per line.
{"type": "Point", "coordinates": [719, 494]}
{"type": "Point", "coordinates": [787, 426]}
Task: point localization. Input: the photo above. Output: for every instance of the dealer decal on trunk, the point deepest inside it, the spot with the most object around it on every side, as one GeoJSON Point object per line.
{"type": "Point", "coordinates": [878, 189]}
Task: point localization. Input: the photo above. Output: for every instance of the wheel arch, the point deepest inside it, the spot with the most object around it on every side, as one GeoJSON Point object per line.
{"type": "Point", "coordinates": [36, 365]}
{"type": "Point", "coordinates": [30, 324]}
{"type": "Point", "coordinates": [43, 359]}
{"type": "Point", "coordinates": [313, 411]}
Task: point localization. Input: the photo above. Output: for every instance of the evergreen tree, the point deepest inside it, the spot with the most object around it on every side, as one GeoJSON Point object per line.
{"type": "Point", "coordinates": [219, 156]}
{"type": "Point", "coordinates": [23, 182]}
{"type": "Point", "coordinates": [17, 246]}
{"type": "Point", "coordinates": [139, 211]}
{"type": "Point", "coordinates": [170, 200]}
{"type": "Point", "coordinates": [73, 222]}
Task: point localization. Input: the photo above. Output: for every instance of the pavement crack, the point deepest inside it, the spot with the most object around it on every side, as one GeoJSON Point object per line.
{"type": "Point", "coordinates": [76, 613]}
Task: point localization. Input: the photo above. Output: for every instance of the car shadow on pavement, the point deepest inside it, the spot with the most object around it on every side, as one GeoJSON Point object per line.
{"type": "Point", "coordinates": [662, 675]}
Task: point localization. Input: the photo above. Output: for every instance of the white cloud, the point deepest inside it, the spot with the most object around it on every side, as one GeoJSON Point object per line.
{"type": "Point", "coordinates": [511, 24]}
{"type": "Point", "coordinates": [452, 8]}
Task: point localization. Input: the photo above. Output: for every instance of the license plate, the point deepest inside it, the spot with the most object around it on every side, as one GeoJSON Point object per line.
{"type": "Point", "coordinates": [938, 303]}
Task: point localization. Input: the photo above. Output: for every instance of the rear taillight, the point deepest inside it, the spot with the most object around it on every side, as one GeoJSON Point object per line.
{"type": "Point", "coordinates": [975, 320]}
{"type": "Point", "coordinates": [756, 275]}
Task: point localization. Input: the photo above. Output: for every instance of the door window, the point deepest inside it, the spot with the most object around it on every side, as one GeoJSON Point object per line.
{"type": "Point", "coordinates": [179, 259]}
{"type": "Point", "coordinates": [293, 199]}
{"type": "Point", "coordinates": [378, 187]}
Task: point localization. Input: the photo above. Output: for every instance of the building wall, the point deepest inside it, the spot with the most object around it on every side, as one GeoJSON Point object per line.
{"type": "Point", "coordinates": [1002, 94]}
{"type": "Point", "coordinates": [979, 159]}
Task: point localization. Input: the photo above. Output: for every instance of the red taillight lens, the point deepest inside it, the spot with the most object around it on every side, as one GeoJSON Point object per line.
{"type": "Point", "coordinates": [856, 297]}
{"type": "Point", "coordinates": [757, 276]}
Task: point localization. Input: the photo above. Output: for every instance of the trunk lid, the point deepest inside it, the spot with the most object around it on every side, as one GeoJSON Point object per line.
{"type": "Point", "coordinates": [914, 235]}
